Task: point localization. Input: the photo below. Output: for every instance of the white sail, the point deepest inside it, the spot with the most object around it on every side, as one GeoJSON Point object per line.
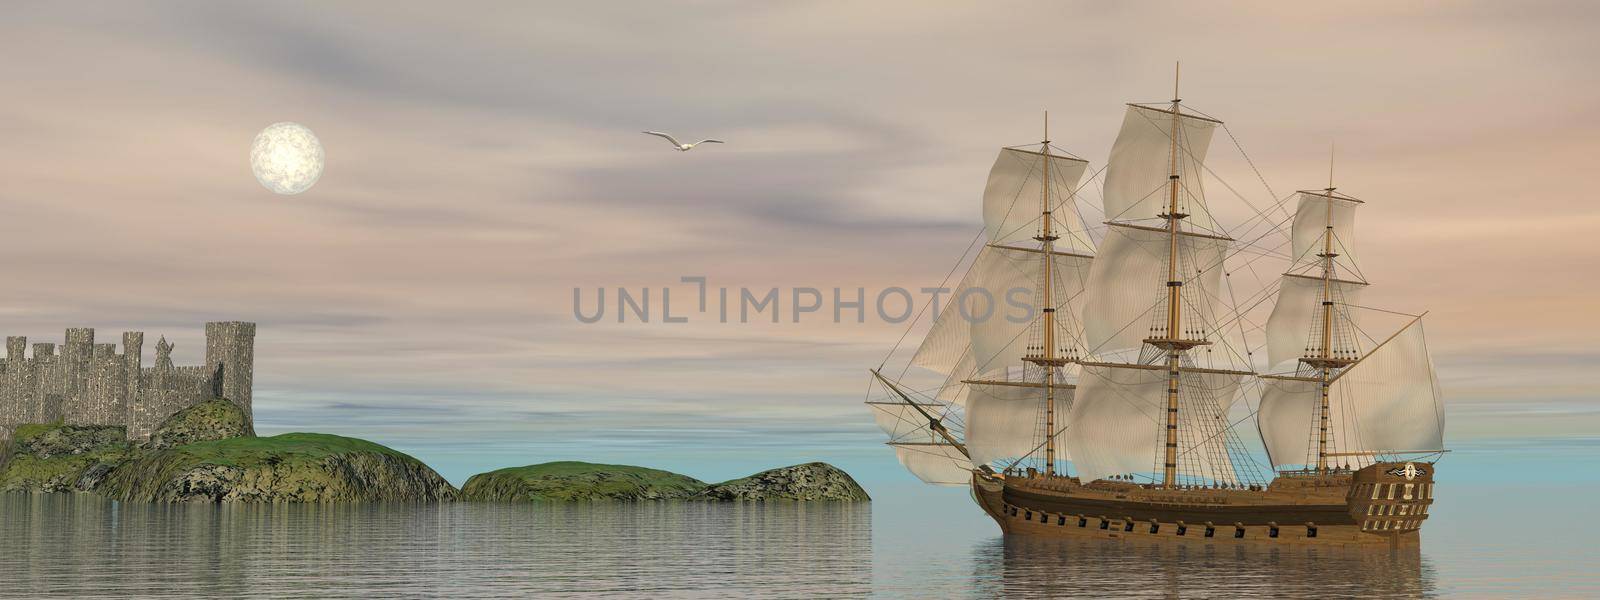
{"type": "Point", "coordinates": [1393, 394]}
{"type": "Point", "coordinates": [998, 340]}
{"type": "Point", "coordinates": [1387, 402]}
{"type": "Point", "coordinates": [1295, 327]}
{"type": "Point", "coordinates": [1287, 419]}
{"type": "Point", "coordinates": [1127, 284]}
{"type": "Point", "coordinates": [1119, 412]}
{"type": "Point", "coordinates": [1011, 199]}
{"type": "Point", "coordinates": [986, 323]}
{"type": "Point", "coordinates": [899, 419]}
{"type": "Point", "coordinates": [954, 391]}
{"type": "Point", "coordinates": [1002, 420]}
{"type": "Point", "coordinates": [1011, 208]}
{"type": "Point", "coordinates": [1141, 160]}
{"type": "Point", "coordinates": [935, 463]}
{"type": "Point", "coordinates": [946, 347]}
{"type": "Point", "coordinates": [1311, 222]}
{"type": "Point", "coordinates": [1012, 278]}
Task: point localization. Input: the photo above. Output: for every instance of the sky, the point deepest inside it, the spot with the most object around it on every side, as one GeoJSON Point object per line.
{"type": "Point", "coordinates": [485, 159]}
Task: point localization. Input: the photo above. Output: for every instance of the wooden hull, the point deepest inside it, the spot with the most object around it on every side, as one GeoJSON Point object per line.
{"type": "Point", "coordinates": [1381, 505]}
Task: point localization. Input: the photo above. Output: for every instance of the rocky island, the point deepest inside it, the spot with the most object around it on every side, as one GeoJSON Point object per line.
{"type": "Point", "coordinates": [576, 481]}
{"type": "Point", "coordinates": [210, 453]}
{"type": "Point", "coordinates": [293, 467]}
{"type": "Point", "coordinates": [809, 481]}
{"type": "Point", "coordinates": [92, 419]}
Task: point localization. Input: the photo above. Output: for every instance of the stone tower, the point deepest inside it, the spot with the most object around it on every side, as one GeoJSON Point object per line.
{"type": "Point", "coordinates": [133, 374]}
{"type": "Point", "coordinates": [19, 391]}
{"type": "Point", "coordinates": [47, 382]}
{"type": "Point", "coordinates": [133, 358]}
{"type": "Point", "coordinates": [230, 353]}
{"type": "Point", "coordinates": [76, 356]}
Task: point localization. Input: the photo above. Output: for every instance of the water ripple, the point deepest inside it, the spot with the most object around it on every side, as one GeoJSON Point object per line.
{"type": "Point", "coordinates": [83, 546]}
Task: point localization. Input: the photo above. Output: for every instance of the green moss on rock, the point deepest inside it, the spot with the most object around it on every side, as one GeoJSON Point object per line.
{"type": "Point", "coordinates": [569, 481]}
{"type": "Point", "coordinates": [207, 421]}
{"type": "Point", "coordinates": [293, 467]}
{"type": "Point", "coordinates": [61, 458]}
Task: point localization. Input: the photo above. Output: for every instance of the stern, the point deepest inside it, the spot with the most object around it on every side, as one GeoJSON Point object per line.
{"type": "Point", "coordinates": [1392, 499]}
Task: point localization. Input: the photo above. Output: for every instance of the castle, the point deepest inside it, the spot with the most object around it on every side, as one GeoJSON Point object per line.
{"type": "Point", "coordinates": [91, 384]}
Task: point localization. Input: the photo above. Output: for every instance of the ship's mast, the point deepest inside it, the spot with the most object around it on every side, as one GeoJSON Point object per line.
{"type": "Point", "coordinates": [1327, 322]}
{"type": "Point", "coordinates": [1048, 239]}
{"type": "Point", "coordinates": [1174, 348]}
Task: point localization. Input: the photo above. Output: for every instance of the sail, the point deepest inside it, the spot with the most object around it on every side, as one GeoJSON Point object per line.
{"type": "Point", "coordinates": [982, 313]}
{"type": "Point", "coordinates": [1394, 394]}
{"type": "Point", "coordinates": [1119, 410]}
{"type": "Point", "coordinates": [935, 463]}
{"type": "Point", "coordinates": [1389, 401]}
{"type": "Point", "coordinates": [1137, 181]}
{"type": "Point", "coordinates": [1295, 327]}
{"type": "Point", "coordinates": [1003, 420]}
{"type": "Point", "coordinates": [1013, 277]}
{"type": "Point", "coordinates": [1288, 418]}
{"type": "Point", "coordinates": [954, 391]}
{"type": "Point", "coordinates": [1312, 218]}
{"type": "Point", "coordinates": [900, 419]}
{"type": "Point", "coordinates": [1127, 286]}
{"type": "Point", "coordinates": [945, 348]}
{"type": "Point", "coordinates": [1011, 199]}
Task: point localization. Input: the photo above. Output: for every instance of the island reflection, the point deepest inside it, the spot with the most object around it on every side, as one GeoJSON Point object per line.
{"type": "Point", "coordinates": [77, 545]}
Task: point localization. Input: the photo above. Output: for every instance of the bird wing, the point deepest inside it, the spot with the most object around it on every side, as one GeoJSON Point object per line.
{"type": "Point", "coordinates": [674, 140]}
{"type": "Point", "coordinates": [709, 142]}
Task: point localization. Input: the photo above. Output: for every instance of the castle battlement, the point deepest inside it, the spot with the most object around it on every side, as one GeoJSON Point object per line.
{"type": "Point", "coordinates": [86, 383]}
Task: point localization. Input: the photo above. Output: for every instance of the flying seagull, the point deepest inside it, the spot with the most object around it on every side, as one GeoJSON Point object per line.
{"type": "Point", "coordinates": [682, 147]}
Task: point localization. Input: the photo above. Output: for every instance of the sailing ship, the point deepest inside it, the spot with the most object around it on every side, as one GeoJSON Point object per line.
{"type": "Point", "coordinates": [1124, 402]}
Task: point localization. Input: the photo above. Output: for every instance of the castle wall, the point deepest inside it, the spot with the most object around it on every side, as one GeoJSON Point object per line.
{"type": "Point", "coordinates": [92, 384]}
{"type": "Point", "coordinates": [166, 390]}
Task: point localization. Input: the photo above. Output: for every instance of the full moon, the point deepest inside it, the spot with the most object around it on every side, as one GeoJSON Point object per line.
{"type": "Point", "coordinates": [286, 158]}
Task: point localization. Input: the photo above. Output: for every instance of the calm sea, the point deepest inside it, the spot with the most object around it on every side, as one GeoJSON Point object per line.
{"type": "Point", "coordinates": [1513, 519]}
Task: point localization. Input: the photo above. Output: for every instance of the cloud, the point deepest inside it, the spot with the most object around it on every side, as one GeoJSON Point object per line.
{"type": "Point", "coordinates": [484, 161]}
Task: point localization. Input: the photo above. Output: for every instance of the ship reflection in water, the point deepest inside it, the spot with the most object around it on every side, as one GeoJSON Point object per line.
{"type": "Point", "coordinates": [1025, 567]}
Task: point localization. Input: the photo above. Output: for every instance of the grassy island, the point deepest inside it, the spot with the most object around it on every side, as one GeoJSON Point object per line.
{"type": "Point", "coordinates": [293, 467]}
{"type": "Point", "coordinates": [209, 453]}
{"type": "Point", "coordinates": [572, 480]}
{"type": "Point", "coordinates": [580, 481]}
